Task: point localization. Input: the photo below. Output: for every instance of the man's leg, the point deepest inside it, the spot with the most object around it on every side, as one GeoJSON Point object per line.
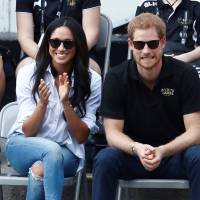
{"type": "Point", "coordinates": [192, 165]}
{"type": "Point", "coordinates": [110, 165]}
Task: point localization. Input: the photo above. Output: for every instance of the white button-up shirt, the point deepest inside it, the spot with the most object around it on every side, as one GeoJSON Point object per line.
{"type": "Point", "coordinates": [54, 126]}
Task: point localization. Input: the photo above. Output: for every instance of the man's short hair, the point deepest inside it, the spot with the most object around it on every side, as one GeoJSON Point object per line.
{"type": "Point", "coordinates": [145, 21]}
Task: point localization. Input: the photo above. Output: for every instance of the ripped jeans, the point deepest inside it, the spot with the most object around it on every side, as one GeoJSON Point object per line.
{"type": "Point", "coordinates": [57, 161]}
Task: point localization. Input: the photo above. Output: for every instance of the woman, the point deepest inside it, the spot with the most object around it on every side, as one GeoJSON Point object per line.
{"type": "Point", "coordinates": [33, 17]}
{"type": "Point", "coordinates": [58, 98]}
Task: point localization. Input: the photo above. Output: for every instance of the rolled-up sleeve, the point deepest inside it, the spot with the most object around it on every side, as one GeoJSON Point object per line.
{"type": "Point", "coordinates": [93, 102]}
{"type": "Point", "coordinates": [25, 100]}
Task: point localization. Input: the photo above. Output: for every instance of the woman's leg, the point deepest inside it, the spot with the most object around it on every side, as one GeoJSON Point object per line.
{"type": "Point", "coordinates": [35, 189]}
{"type": "Point", "coordinates": [71, 162]}
{"type": "Point", "coordinates": [35, 149]}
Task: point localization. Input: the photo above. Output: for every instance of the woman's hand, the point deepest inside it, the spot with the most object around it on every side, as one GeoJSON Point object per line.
{"type": "Point", "coordinates": [44, 92]}
{"type": "Point", "coordinates": [63, 87]}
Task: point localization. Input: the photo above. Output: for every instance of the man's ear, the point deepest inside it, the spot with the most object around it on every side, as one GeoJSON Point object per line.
{"type": "Point", "coordinates": [130, 44]}
{"type": "Point", "coordinates": [163, 41]}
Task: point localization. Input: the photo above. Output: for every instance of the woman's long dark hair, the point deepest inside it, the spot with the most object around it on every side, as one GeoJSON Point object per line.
{"type": "Point", "coordinates": [80, 62]}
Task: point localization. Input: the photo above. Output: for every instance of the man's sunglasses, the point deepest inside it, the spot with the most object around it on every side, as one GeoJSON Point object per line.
{"type": "Point", "coordinates": [55, 43]}
{"type": "Point", "coordinates": [152, 44]}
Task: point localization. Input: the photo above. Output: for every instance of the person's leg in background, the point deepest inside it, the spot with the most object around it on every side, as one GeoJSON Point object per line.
{"type": "Point", "coordinates": [95, 66]}
{"type": "Point", "coordinates": [25, 61]}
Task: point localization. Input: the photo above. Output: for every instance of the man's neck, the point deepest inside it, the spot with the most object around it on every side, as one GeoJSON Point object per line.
{"type": "Point", "coordinates": [149, 84]}
{"type": "Point", "coordinates": [149, 79]}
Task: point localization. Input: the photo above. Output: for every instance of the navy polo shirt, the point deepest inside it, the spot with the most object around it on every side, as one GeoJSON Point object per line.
{"type": "Point", "coordinates": [172, 19]}
{"type": "Point", "coordinates": [151, 116]}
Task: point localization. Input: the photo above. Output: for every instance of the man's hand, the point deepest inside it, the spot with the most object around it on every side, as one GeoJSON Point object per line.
{"type": "Point", "coordinates": [153, 162]}
{"type": "Point", "coordinates": [63, 87]}
{"type": "Point", "coordinates": [149, 156]}
{"type": "Point", "coordinates": [44, 92]}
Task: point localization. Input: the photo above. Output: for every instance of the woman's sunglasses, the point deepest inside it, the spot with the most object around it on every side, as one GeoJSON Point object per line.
{"type": "Point", "coordinates": [152, 44]}
{"type": "Point", "coordinates": [55, 43]}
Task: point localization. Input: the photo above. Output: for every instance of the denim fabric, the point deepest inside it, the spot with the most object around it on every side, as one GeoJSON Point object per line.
{"type": "Point", "coordinates": [111, 164]}
{"type": "Point", "coordinates": [22, 152]}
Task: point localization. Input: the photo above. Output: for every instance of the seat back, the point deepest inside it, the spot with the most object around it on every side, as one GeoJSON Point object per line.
{"type": "Point", "coordinates": [104, 40]}
{"type": "Point", "coordinates": [8, 116]}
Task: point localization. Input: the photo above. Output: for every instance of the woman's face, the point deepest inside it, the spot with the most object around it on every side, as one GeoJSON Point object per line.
{"type": "Point", "coordinates": [62, 46]}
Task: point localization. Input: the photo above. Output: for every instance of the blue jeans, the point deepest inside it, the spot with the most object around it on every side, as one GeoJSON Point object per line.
{"type": "Point", "coordinates": [58, 162]}
{"type": "Point", "coordinates": [111, 164]}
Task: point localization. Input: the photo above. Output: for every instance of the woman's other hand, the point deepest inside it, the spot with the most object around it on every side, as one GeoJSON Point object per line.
{"type": "Point", "coordinates": [44, 92]}
{"type": "Point", "coordinates": [63, 87]}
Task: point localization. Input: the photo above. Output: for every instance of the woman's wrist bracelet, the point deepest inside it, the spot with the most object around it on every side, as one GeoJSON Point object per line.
{"type": "Point", "coordinates": [67, 105]}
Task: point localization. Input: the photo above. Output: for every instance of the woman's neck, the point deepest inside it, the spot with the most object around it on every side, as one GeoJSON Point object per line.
{"type": "Point", "coordinates": [61, 68]}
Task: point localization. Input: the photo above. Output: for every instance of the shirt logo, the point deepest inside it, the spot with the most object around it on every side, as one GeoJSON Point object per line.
{"type": "Point", "coordinates": [167, 92]}
{"type": "Point", "coordinates": [148, 4]}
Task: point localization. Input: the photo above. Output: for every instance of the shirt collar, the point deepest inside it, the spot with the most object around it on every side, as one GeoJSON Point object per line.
{"type": "Point", "coordinates": [166, 70]}
{"type": "Point", "coordinates": [48, 70]}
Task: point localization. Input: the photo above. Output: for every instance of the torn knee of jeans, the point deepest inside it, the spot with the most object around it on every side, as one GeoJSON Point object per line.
{"type": "Point", "coordinates": [34, 175]}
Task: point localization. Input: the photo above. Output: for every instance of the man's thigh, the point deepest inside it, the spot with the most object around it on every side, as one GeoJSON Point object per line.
{"type": "Point", "coordinates": [126, 166]}
{"type": "Point", "coordinates": [129, 166]}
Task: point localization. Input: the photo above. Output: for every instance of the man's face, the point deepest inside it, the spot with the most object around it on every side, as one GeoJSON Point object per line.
{"type": "Point", "coordinates": [147, 56]}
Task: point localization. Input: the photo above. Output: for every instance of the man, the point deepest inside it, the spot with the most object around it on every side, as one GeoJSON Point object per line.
{"type": "Point", "coordinates": [182, 18]}
{"type": "Point", "coordinates": [151, 115]}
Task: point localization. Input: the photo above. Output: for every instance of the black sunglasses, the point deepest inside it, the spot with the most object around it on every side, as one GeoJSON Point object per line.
{"type": "Point", "coordinates": [55, 43]}
{"type": "Point", "coordinates": [152, 44]}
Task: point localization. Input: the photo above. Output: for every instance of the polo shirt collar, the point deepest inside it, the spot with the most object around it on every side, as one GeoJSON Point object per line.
{"type": "Point", "coordinates": [166, 70]}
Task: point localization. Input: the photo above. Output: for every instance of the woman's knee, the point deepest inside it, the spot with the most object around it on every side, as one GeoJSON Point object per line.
{"type": "Point", "coordinates": [53, 152]}
{"type": "Point", "coordinates": [37, 169]}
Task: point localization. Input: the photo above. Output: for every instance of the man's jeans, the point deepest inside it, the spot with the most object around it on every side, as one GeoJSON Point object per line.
{"type": "Point", "coordinates": [112, 164]}
{"type": "Point", "coordinates": [22, 152]}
